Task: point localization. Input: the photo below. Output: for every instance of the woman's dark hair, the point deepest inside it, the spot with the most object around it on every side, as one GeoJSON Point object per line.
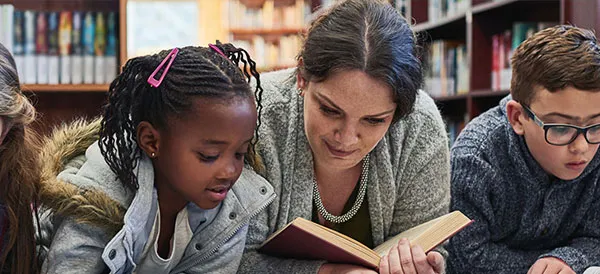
{"type": "Point", "coordinates": [196, 71]}
{"type": "Point", "coordinates": [368, 35]}
{"type": "Point", "coordinates": [19, 172]}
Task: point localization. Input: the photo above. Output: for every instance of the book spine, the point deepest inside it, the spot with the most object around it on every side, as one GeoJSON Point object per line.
{"type": "Point", "coordinates": [30, 60]}
{"type": "Point", "coordinates": [77, 49]}
{"type": "Point", "coordinates": [89, 33]}
{"type": "Point", "coordinates": [19, 43]}
{"type": "Point", "coordinates": [100, 49]}
{"type": "Point", "coordinates": [53, 50]}
{"type": "Point", "coordinates": [64, 44]}
{"type": "Point", "coordinates": [41, 48]}
{"type": "Point", "coordinates": [111, 48]}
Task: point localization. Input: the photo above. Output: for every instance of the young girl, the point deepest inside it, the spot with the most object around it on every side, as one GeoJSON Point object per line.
{"type": "Point", "coordinates": [19, 175]}
{"type": "Point", "coordinates": [153, 194]}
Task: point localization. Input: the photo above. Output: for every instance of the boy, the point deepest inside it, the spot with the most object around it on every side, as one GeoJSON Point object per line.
{"type": "Point", "coordinates": [527, 171]}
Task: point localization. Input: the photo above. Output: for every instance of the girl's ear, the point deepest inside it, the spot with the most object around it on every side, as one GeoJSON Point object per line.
{"type": "Point", "coordinates": [148, 139]}
{"type": "Point", "coordinates": [515, 115]}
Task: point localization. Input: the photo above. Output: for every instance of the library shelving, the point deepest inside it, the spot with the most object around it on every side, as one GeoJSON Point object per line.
{"type": "Point", "coordinates": [471, 26]}
{"type": "Point", "coordinates": [489, 30]}
{"type": "Point", "coordinates": [59, 101]}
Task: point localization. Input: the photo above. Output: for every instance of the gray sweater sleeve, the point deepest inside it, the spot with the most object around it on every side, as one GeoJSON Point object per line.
{"type": "Point", "coordinates": [584, 250]}
{"type": "Point", "coordinates": [76, 248]}
{"type": "Point", "coordinates": [423, 191]}
{"type": "Point", "coordinates": [255, 262]}
{"type": "Point", "coordinates": [473, 250]}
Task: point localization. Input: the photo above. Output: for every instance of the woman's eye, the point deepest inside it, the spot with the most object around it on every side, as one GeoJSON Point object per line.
{"type": "Point", "coordinates": [207, 158]}
{"type": "Point", "coordinates": [375, 121]}
{"type": "Point", "coordinates": [329, 111]}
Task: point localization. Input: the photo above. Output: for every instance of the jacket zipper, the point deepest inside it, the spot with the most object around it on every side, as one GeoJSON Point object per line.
{"type": "Point", "coordinates": [212, 251]}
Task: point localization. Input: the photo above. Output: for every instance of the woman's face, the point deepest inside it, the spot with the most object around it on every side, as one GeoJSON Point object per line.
{"type": "Point", "coordinates": [345, 116]}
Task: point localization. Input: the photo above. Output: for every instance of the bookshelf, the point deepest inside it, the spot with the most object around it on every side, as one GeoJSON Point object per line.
{"type": "Point", "coordinates": [57, 103]}
{"type": "Point", "coordinates": [471, 22]}
{"type": "Point", "coordinates": [478, 25]}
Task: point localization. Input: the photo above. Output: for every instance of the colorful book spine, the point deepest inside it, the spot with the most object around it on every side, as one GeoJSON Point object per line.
{"type": "Point", "coordinates": [64, 43]}
{"type": "Point", "coordinates": [6, 26]}
{"type": "Point", "coordinates": [41, 47]}
{"type": "Point", "coordinates": [53, 50]}
{"type": "Point", "coordinates": [30, 67]}
{"type": "Point", "coordinates": [111, 47]}
{"type": "Point", "coordinates": [77, 48]}
{"type": "Point", "coordinates": [100, 49]}
{"type": "Point", "coordinates": [19, 42]}
{"type": "Point", "coordinates": [89, 34]}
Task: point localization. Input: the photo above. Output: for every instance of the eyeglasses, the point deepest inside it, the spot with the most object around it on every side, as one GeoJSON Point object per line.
{"type": "Point", "coordinates": [562, 134]}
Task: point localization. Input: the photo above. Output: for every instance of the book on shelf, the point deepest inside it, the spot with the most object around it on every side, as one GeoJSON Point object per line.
{"type": "Point", "coordinates": [303, 239]}
{"type": "Point", "coordinates": [447, 70]}
{"type": "Point", "coordinates": [53, 50]}
{"type": "Point", "coordinates": [503, 46]}
{"type": "Point", "coordinates": [64, 44]}
{"type": "Point", "coordinates": [48, 46]}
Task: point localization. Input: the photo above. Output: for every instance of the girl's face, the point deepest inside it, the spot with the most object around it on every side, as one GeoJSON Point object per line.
{"type": "Point", "coordinates": [345, 116]}
{"type": "Point", "coordinates": [200, 156]}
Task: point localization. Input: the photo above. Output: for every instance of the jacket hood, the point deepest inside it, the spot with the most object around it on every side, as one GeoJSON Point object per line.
{"type": "Point", "coordinates": [65, 148]}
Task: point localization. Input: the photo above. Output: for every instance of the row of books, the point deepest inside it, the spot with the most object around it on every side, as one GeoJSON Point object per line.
{"type": "Point", "coordinates": [270, 16]}
{"type": "Point", "coordinates": [447, 68]}
{"type": "Point", "coordinates": [503, 46]}
{"type": "Point", "coordinates": [68, 47]}
{"type": "Point", "coordinates": [438, 9]}
{"type": "Point", "coordinates": [272, 54]}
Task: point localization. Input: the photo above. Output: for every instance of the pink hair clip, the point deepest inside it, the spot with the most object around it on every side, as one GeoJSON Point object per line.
{"type": "Point", "coordinates": [156, 82]}
{"type": "Point", "coordinates": [215, 48]}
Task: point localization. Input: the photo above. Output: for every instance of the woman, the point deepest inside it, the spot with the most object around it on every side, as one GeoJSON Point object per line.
{"type": "Point", "coordinates": [18, 172]}
{"type": "Point", "coordinates": [349, 141]}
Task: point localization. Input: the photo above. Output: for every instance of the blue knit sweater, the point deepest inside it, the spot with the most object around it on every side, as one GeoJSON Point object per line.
{"type": "Point", "coordinates": [521, 212]}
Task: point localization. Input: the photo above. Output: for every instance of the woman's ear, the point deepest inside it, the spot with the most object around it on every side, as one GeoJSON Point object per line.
{"type": "Point", "coordinates": [148, 138]}
{"type": "Point", "coordinates": [300, 80]}
{"type": "Point", "coordinates": [516, 116]}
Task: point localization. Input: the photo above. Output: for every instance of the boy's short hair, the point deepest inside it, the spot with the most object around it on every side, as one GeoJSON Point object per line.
{"type": "Point", "coordinates": [555, 58]}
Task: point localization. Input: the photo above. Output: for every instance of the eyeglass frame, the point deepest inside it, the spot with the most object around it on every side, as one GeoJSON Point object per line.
{"type": "Point", "coordinates": [547, 126]}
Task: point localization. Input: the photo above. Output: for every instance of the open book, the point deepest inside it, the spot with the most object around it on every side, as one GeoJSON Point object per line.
{"type": "Point", "coordinates": [303, 239]}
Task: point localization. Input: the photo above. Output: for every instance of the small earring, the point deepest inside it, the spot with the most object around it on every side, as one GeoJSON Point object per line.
{"type": "Point", "coordinates": [152, 155]}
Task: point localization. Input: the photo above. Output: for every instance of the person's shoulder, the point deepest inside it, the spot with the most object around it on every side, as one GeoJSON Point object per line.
{"type": "Point", "coordinates": [252, 190]}
{"type": "Point", "coordinates": [278, 87]}
{"type": "Point", "coordinates": [487, 131]}
{"type": "Point", "coordinates": [424, 119]}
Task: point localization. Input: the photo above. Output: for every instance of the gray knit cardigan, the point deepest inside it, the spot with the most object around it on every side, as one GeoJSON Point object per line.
{"type": "Point", "coordinates": [409, 175]}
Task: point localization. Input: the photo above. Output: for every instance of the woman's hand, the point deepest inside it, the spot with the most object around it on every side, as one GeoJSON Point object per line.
{"type": "Point", "coordinates": [406, 260]}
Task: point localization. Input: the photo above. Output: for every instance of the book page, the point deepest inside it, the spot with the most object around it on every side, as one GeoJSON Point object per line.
{"type": "Point", "coordinates": [430, 234]}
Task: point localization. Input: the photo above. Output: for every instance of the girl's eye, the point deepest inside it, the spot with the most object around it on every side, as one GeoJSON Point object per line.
{"type": "Point", "coordinates": [328, 111]}
{"type": "Point", "coordinates": [240, 156]}
{"type": "Point", "coordinates": [207, 158]}
{"type": "Point", "coordinates": [375, 121]}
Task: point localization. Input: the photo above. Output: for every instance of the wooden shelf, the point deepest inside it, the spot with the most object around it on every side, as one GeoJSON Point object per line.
{"type": "Point", "coordinates": [66, 88]}
{"type": "Point", "coordinates": [278, 31]}
{"type": "Point", "coordinates": [491, 5]}
{"type": "Point", "coordinates": [428, 26]}
{"type": "Point", "coordinates": [488, 93]}
{"type": "Point", "coordinates": [451, 97]}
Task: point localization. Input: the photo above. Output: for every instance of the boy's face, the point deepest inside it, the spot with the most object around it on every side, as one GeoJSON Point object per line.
{"type": "Point", "coordinates": [568, 106]}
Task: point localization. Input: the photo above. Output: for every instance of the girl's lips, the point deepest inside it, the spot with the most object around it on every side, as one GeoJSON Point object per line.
{"type": "Point", "coordinates": [218, 193]}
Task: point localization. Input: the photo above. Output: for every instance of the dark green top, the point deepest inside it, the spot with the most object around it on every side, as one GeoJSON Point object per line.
{"type": "Point", "coordinates": [359, 226]}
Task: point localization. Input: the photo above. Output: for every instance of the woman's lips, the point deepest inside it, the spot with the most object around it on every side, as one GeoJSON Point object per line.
{"type": "Point", "coordinates": [339, 152]}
